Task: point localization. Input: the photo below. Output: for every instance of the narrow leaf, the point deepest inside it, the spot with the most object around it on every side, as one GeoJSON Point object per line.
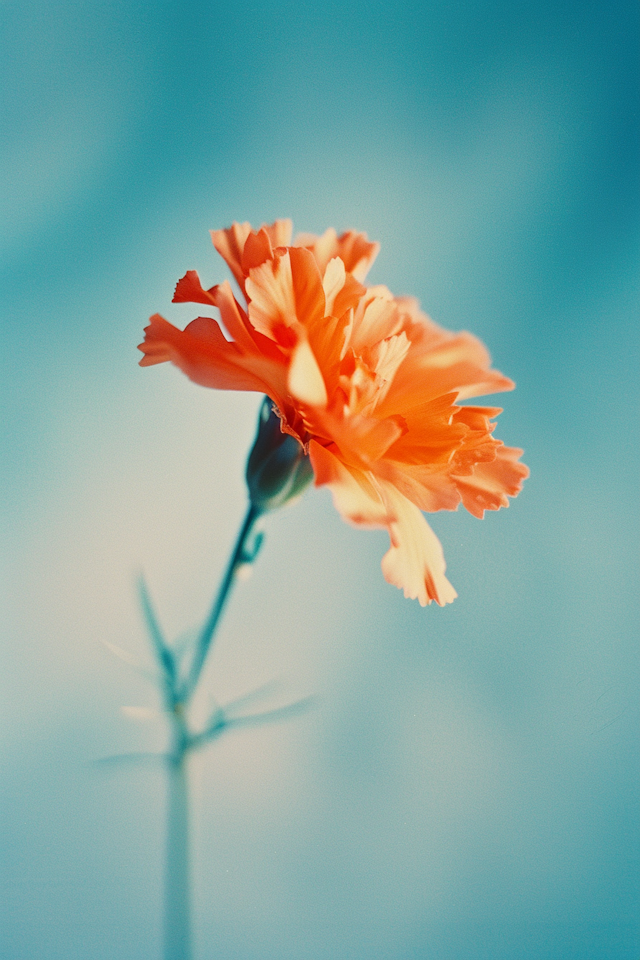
{"type": "Point", "coordinates": [163, 653]}
{"type": "Point", "coordinates": [271, 716]}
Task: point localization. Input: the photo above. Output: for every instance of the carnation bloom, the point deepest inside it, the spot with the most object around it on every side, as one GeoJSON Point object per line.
{"type": "Point", "coordinates": [365, 382]}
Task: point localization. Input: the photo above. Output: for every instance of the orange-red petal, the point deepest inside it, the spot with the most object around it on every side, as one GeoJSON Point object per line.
{"type": "Point", "coordinates": [230, 244]}
{"type": "Point", "coordinates": [307, 287]}
{"type": "Point", "coordinates": [190, 290]}
{"type": "Point", "coordinates": [202, 352]}
{"type": "Point", "coordinates": [257, 249]}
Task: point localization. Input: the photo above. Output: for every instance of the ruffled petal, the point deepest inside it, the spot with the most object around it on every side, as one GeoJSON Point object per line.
{"type": "Point", "coordinates": [237, 323]}
{"type": "Point", "coordinates": [355, 250]}
{"type": "Point", "coordinates": [260, 244]}
{"type": "Point", "coordinates": [361, 441]}
{"type": "Point", "coordinates": [230, 244]}
{"type": "Point", "coordinates": [202, 352]}
{"type": "Point", "coordinates": [326, 337]}
{"type": "Point", "coordinates": [458, 363]}
{"type": "Point", "coordinates": [333, 282]}
{"type": "Point", "coordinates": [375, 319]}
{"type": "Point", "coordinates": [257, 249]}
{"type": "Point", "coordinates": [349, 297]}
{"type": "Point", "coordinates": [478, 446]}
{"type": "Point", "coordinates": [490, 484]}
{"type": "Point", "coordinates": [432, 434]}
{"type": "Point", "coordinates": [415, 561]}
{"type": "Point", "coordinates": [190, 290]}
{"type": "Point", "coordinates": [279, 232]}
{"type": "Point", "coordinates": [323, 248]}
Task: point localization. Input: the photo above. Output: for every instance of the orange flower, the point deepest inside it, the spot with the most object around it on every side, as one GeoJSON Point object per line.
{"type": "Point", "coordinates": [367, 383]}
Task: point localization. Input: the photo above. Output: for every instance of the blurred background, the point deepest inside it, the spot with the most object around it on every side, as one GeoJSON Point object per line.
{"type": "Point", "coordinates": [466, 785]}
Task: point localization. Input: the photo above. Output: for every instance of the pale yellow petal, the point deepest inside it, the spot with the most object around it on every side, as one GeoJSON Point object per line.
{"type": "Point", "coordinates": [333, 282]}
{"type": "Point", "coordinates": [415, 561]}
{"type": "Point", "coordinates": [305, 381]}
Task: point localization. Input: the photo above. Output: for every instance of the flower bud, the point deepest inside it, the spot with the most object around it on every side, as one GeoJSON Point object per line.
{"type": "Point", "coordinates": [278, 470]}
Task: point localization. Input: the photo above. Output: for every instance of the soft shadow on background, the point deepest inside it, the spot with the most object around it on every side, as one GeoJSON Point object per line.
{"type": "Point", "coordinates": [467, 785]}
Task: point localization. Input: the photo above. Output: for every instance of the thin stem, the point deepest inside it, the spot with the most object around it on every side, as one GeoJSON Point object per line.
{"type": "Point", "coordinates": [239, 557]}
{"type": "Point", "coordinates": [177, 943]}
{"type": "Point", "coordinates": [177, 917]}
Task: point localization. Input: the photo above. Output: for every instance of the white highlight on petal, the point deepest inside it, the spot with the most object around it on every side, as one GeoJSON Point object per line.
{"type": "Point", "coordinates": [332, 283]}
{"type": "Point", "coordinates": [305, 381]}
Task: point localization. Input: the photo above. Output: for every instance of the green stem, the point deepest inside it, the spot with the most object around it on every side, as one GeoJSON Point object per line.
{"type": "Point", "coordinates": [239, 557]}
{"type": "Point", "coordinates": [177, 932]}
{"type": "Point", "coordinates": [177, 939]}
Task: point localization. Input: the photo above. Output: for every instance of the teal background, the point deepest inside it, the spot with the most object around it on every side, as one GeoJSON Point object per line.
{"type": "Point", "coordinates": [466, 785]}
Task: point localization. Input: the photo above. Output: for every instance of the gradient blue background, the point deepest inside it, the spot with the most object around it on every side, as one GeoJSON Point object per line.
{"type": "Point", "coordinates": [467, 785]}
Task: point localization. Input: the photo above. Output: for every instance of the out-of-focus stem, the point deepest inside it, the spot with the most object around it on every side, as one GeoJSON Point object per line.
{"type": "Point", "coordinates": [177, 916]}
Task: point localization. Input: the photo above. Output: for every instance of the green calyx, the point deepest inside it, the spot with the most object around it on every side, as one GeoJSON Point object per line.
{"type": "Point", "coordinates": [278, 469]}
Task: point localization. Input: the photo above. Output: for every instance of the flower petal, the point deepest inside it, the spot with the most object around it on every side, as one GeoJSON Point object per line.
{"type": "Point", "coordinates": [425, 484]}
{"type": "Point", "coordinates": [202, 352]}
{"type": "Point", "coordinates": [279, 232]}
{"type": "Point", "coordinates": [333, 282]}
{"type": "Point", "coordinates": [375, 319]}
{"type": "Point", "coordinates": [304, 380]}
{"type": "Point", "coordinates": [491, 484]}
{"type": "Point", "coordinates": [260, 244]}
{"type": "Point", "coordinates": [190, 290]}
{"type": "Point", "coordinates": [326, 337]}
{"type": "Point", "coordinates": [415, 561]}
{"type": "Point", "coordinates": [342, 291]}
{"type": "Point", "coordinates": [354, 496]}
{"type": "Point", "coordinates": [230, 243]}
{"type": "Point", "coordinates": [361, 441]}
{"type": "Point", "coordinates": [272, 301]}
{"type": "Point", "coordinates": [439, 433]}
{"type": "Point", "coordinates": [354, 249]}
{"type": "Point", "coordinates": [458, 364]}
{"type": "Point", "coordinates": [257, 249]}
{"type": "Point", "coordinates": [358, 253]}
{"type": "Point", "coordinates": [237, 323]}
{"type": "Point", "coordinates": [307, 287]}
